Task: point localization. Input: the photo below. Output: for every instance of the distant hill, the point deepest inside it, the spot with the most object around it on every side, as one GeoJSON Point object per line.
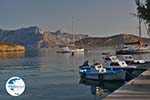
{"type": "Point", "coordinates": [35, 37]}
{"type": "Point", "coordinates": [10, 47]}
{"type": "Point", "coordinates": [109, 41]}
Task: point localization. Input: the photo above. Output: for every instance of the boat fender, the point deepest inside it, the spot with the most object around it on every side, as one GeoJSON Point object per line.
{"type": "Point", "coordinates": [100, 76]}
{"type": "Point", "coordinates": [141, 61]}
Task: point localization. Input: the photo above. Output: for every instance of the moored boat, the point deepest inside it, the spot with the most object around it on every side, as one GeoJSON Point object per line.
{"type": "Point", "coordinates": [98, 72]}
{"type": "Point", "coordinates": [64, 50]}
{"type": "Point", "coordinates": [135, 47]}
{"type": "Point", "coordinates": [111, 61]}
{"type": "Point", "coordinates": [130, 60]}
{"type": "Point", "coordinates": [138, 46]}
{"type": "Point", "coordinates": [131, 49]}
{"type": "Point", "coordinates": [68, 50]}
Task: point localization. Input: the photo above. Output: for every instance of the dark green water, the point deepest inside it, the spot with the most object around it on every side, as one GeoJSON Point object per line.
{"type": "Point", "coordinates": [52, 76]}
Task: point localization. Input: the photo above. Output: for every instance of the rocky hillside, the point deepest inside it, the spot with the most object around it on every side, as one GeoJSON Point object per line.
{"type": "Point", "coordinates": [10, 47]}
{"type": "Point", "coordinates": [109, 41]}
{"type": "Point", "coordinates": [35, 37]}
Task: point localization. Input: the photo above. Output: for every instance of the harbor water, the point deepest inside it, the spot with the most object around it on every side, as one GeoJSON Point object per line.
{"type": "Point", "coordinates": [54, 76]}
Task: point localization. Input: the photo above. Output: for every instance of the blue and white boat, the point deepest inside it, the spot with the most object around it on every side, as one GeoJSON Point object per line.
{"type": "Point", "coordinates": [98, 72]}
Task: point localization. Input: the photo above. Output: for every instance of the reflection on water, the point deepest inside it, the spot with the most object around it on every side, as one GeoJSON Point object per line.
{"type": "Point", "coordinates": [97, 90]}
{"type": "Point", "coordinates": [102, 88]}
{"type": "Point", "coordinates": [55, 74]}
{"type": "Point", "coordinates": [12, 54]}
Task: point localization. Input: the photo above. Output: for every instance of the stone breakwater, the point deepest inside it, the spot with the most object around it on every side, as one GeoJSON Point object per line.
{"type": "Point", "coordinates": [6, 47]}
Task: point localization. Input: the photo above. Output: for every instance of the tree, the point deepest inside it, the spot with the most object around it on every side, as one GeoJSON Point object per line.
{"type": "Point", "coordinates": [143, 10]}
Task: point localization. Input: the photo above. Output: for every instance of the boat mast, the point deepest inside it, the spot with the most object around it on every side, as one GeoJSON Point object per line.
{"type": "Point", "coordinates": [72, 26]}
{"type": "Point", "coordinates": [140, 30]}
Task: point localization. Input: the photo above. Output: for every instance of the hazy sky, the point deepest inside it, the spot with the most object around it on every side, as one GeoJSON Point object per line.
{"type": "Point", "coordinates": [93, 17]}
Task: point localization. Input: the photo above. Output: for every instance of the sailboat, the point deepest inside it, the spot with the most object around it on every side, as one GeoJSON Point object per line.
{"type": "Point", "coordinates": [65, 49]}
{"type": "Point", "coordinates": [134, 47]}
{"type": "Point", "coordinates": [73, 50]}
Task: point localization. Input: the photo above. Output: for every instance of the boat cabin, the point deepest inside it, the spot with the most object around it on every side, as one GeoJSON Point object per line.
{"type": "Point", "coordinates": [114, 61]}
{"type": "Point", "coordinates": [98, 67]}
{"type": "Point", "coordinates": [111, 58]}
{"type": "Point", "coordinates": [119, 63]}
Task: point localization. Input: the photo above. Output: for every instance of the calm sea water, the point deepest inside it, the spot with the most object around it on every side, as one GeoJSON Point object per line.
{"type": "Point", "coordinates": [52, 76]}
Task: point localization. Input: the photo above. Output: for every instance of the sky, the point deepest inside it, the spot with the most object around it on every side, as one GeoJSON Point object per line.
{"type": "Point", "coordinates": [93, 17]}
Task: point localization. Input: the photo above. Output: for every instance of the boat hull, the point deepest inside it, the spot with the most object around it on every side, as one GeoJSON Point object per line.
{"type": "Point", "coordinates": [111, 75]}
{"type": "Point", "coordinates": [127, 69]}
{"type": "Point", "coordinates": [64, 52]}
{"type": "Point", "coordinates": [144, 65]}
{"type": "Point", "coordinates": [71, 51]}
{"type": "Point", "coordinates": [133, 51]}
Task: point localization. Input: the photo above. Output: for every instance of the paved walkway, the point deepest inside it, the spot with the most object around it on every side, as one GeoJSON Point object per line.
{"type": "Point", "coordinates": [136, 89]}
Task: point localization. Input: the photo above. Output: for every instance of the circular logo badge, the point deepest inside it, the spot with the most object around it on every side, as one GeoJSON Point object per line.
{"type": "Point", "coordinates": [15, 86]}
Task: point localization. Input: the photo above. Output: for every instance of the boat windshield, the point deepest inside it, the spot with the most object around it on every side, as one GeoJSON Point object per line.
{"type": "Point", "coordinates": [114, 58]}
{"type": "Point", "coordinates": [114, 64]}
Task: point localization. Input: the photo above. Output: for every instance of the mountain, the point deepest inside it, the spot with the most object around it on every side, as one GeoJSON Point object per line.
{"type": "Point", "coordinates": [35, 37]}
{"type": "Point", "coordinates": [109, 41]}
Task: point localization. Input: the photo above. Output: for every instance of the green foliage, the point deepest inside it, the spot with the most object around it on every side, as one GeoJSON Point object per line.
{"type": "Point", "coordinates": [143, 10]}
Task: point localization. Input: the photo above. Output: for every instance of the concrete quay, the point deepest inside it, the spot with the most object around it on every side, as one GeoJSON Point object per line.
{"type": "Point", "coordinates": [136, 89]}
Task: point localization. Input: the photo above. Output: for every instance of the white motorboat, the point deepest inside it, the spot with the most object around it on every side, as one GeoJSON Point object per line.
{"type": "Point", "coordinates": [130, 60]}
{"type": "Point", "coordinates": [112, 62]}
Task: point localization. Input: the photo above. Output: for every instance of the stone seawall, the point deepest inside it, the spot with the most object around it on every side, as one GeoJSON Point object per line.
{"type": "Point", "coordinates": [136, 89]}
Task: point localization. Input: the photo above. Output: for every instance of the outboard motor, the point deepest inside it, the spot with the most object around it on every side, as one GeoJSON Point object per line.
{"type": "Point", "coordinates": [85, 64]}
